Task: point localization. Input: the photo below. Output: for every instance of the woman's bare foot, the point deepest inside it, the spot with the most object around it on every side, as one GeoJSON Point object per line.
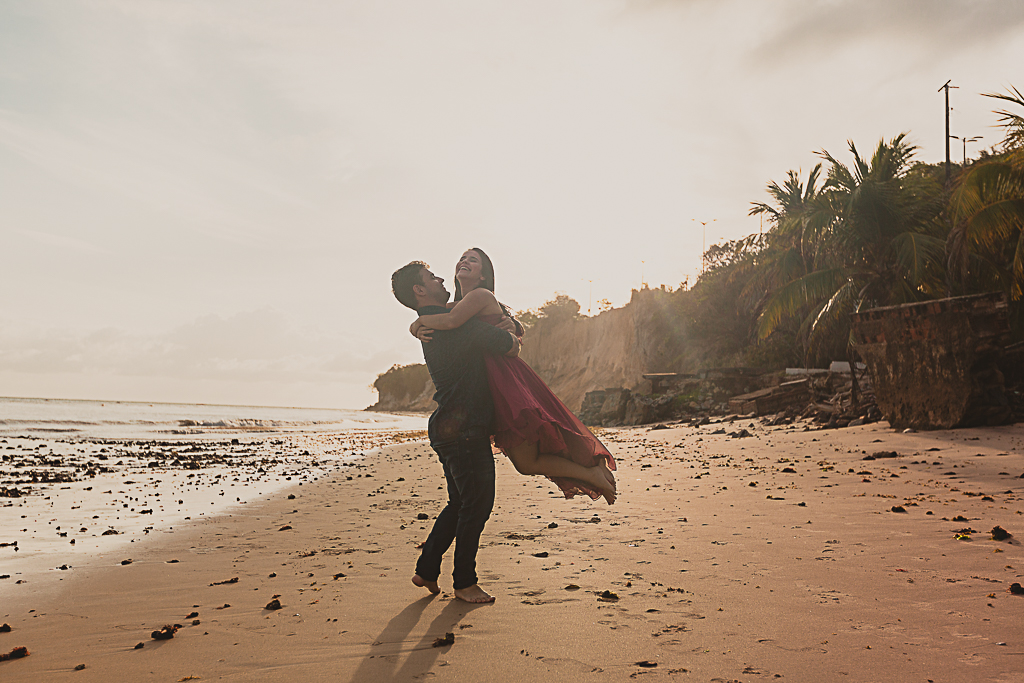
{"type": "Point", "coordinates": [600, 477]}
{"type": "Point", "coordinates": [474, 594]}
{"type": "Point", "coordinates": [602, 464]}
{"type": "Point", "coordinates": [423, 583]}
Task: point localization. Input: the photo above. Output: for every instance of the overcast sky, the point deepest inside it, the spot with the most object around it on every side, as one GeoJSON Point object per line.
{"type": "Point", "coordinates": [204, 201]}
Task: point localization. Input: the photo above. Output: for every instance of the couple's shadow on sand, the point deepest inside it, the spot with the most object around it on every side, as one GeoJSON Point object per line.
{"type": "Point", "coordinates": [393, 657]}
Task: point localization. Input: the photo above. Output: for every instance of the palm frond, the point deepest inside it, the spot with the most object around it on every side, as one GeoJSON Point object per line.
{"type": "Point", "coordinates": [917, 254]}
{"type": "Point", "coordinates": [1012, 124]}
{"type": "Point", "coordinates": [833, 321]}
{"type": "Point", "coordinates": [789, 298]}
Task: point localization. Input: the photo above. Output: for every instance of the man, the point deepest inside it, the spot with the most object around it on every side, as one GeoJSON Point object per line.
{"type": "Point", "coordinates": [459, 429]}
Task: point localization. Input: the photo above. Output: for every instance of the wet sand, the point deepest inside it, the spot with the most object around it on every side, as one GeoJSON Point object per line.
{"type": "Point", "coordinates": [771, 557]}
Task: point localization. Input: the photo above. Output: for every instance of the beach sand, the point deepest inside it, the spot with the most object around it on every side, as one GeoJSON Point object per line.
{"type": "Point", "coordinates": [771, 557]}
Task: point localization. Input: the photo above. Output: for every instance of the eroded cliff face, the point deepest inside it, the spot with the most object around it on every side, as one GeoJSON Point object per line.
{"type": "Point", "coordinates": [573, 355]}
{"type": "Point", "coordinates": [612, 349]}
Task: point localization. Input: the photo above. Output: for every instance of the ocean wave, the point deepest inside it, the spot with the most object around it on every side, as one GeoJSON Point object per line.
{"type": "Point", "coordinates": [242, 423]}
{"type": "Point", "coordinates": [14, 422]}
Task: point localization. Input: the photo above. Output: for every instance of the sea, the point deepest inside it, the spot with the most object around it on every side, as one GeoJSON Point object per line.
{"type": "Point", "coordinates": [278, 448]}
{"type": "Point", "coordinates": [65, 418]}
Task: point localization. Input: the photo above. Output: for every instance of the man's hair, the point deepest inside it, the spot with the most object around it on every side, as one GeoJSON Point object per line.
{"type": "Point", "coordinates": [404, 279]}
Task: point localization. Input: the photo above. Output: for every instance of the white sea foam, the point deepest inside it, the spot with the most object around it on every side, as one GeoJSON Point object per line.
{"type": "Point", "coordinates": [134, 420]}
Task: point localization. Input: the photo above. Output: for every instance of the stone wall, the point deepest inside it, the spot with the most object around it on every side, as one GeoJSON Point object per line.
{"type": "Point", "coordinates": [935, 365]}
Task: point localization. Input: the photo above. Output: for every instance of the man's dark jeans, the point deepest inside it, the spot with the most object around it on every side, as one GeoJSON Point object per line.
{"type": "Point", "coordinates": [469, 470]}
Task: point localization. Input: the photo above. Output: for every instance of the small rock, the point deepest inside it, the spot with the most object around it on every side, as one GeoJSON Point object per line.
{"type": "Point", "coordinates": [543, 553]}
{"type": "Point", "coordinates": [139, 646]}
{"type": "Point", "coordinates": [449, 639]}
{"type": "Point", "coordinates": [273, 604]}
{"type": "Point", "coordinates": [80, 667]}
{"type": "Point", "coordinates": [124, 562]}
{"type": "Point", "coordinates": [166, 633]}
{"type": "Point", "coordinates": [1000, 534]}
{"type": "Point", "coordinates": [898, 508]}
{"type": "Point", "coordinates": [607, 596]}
{"type": "Point", "coordinates": [1016, 589]}
{"type": "Point", "coordinates": [422, 516]}
{"type": "Point", "coordinates": [553, 525]}
{"type": "Point", "coordinates": [646, 664]}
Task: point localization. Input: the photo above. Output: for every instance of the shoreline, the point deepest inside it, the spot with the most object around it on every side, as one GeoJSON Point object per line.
{"type": "Point", "coordinates": [718, 562]}
{"type": "Point", "coordinates": [68, 502]}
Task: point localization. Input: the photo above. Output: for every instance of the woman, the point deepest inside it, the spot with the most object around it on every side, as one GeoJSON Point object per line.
{"type": "Point", "coordinates": [532, 427]}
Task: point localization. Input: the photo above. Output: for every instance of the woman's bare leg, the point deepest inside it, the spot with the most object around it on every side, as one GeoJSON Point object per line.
{"type": "Point", "coordinates": [528, 461]}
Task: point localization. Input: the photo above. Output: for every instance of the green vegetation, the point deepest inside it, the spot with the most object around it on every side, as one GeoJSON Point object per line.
{"type": "Point", "coordinates": [860, 231]}
{"type": "Point", "coordinates": [878, 231]}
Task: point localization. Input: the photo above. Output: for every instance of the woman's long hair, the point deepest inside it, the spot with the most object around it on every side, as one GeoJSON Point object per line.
{"type": "Point", "coordinates": [487, 270]}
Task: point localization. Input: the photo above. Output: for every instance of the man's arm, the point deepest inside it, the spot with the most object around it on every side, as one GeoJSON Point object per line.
{"type": "Point", "coordinates": [490, 339]}
{"type": "Point", "coordinates": [516, 347]}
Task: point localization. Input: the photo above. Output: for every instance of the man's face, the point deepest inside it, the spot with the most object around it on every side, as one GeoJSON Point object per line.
{"type": "Point", "coordinates": [436, 293]}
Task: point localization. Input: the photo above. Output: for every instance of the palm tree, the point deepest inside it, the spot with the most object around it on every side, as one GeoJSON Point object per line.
{"type": "Point", "coordinates": [877, 242]}
{"type": "Point", "coordinates": [986, 243]}
{"type": "Point", "coordinates": [788, 250]}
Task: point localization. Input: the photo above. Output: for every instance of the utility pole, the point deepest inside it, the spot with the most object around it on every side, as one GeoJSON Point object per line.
{"type": "Point", "coordinates": [946, 86]}
{"type": "Point", "coordinates": [703, 242]}
{"type": "Point", "coordinates": [965, 141]}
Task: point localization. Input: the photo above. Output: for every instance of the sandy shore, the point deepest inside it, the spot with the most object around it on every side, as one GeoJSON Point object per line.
{"type": "Point", "coordinates": [772, 557]}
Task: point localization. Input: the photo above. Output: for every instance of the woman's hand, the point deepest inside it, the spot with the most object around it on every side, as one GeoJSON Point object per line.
{"type": "Point", "coordinates": [508, 325]}
{"type": "Point", "coordinates": [421, 331]}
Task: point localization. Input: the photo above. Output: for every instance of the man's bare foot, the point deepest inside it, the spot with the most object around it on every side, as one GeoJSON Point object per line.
{"type": "Point", "coordinates": [474, 594]}
{"type": "Point", "coordinates": [423, 583]}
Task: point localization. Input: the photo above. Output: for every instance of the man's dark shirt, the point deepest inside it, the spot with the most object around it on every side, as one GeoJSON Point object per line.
{"type": "Point", "coordinates": [455, 360]}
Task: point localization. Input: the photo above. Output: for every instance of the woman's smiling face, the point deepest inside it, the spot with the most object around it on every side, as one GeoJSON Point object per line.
{"type": "Point", "coordinates": [469, 270]}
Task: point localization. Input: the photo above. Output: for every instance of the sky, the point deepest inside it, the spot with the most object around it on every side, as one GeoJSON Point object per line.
{"type": "Point", "coordinates": [204, 201]}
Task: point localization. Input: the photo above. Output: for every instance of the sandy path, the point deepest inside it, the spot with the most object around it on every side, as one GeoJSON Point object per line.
{"type": "Point", "coordinates": [725, 568]}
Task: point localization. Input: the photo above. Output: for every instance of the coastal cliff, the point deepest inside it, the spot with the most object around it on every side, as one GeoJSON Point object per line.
{"type": "Point", "coordinates": [404, 388]}
{"type": "Point", "coordinates": [573, 354]}
{"type": "Point", "coordinates": [611, 349]}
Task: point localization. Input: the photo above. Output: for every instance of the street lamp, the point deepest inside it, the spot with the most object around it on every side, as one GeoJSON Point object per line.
{"type": "Point", "coordinates": [590, 296]}
{"type": "Point", "coordinates": [965, 141]}
{"type": "Point", "coordinates": [703, 241]}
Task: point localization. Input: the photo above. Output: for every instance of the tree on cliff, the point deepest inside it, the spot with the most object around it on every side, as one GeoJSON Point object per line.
{"type": "Point", "coordinates": [986, 243]}
{"type": "Point", "coordinates": [882, 243]}
{"type": "Point", "coordinates": [562, 307]}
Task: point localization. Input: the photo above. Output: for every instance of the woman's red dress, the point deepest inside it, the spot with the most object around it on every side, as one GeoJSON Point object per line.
{"type": "Point", "coordinates": [525, 409]}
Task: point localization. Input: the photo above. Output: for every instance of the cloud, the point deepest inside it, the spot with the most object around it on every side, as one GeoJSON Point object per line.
{"type": "Point", "coordinates": [811, 29]}
{"type": "Point", "coordinates": [253, 346]}
{"type": "Point", "coordinates": [63, 242]}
